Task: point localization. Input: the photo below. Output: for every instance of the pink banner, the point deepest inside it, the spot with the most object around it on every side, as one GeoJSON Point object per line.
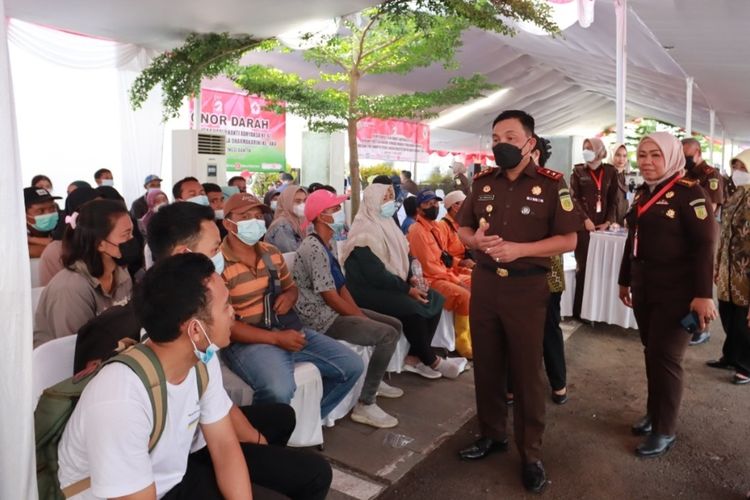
{"type": "Point", "coordinates": [393, 140]}
{"type": "Point", "coordinates": [255, 137]}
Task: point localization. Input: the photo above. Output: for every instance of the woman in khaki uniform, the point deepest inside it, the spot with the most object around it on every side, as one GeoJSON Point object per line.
{"type": "Point", "coordinates": [667, 265]}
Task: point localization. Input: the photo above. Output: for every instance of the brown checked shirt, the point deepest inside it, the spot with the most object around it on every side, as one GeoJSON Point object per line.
{"type": "Point", "coordinates": [710, 180]}
{"type": "Point", "coordinates": [675, 248]}
{"type": "Point", "coordinates": [585, 192]}
{"type": "Point", "coordinates": [536, 206]}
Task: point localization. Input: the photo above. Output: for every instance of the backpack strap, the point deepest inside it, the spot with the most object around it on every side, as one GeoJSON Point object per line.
{"type": "Point", "coordinates": [143, 361]}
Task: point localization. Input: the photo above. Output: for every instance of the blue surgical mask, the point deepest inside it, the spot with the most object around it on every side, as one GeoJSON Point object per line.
{"type": "Point", "coordinates": [274, 205]}
{"type": "Point", "coordinates": [250, 231]}
{"type": "Point", "coordinates": [388, 208]}
{"type": "Point", "coordinates": [46, 222]}
{"type": "Point", "coordinates": [205, 357]}
{"type": "Point", "coordinates": [201, 199]}
{"type": "Point", "coordinates": [219, 214]}
{"type": "Point", "coordinates": [218, 261]}
{"type": "Point", "coordinates": [108, 182]}
{"type": "Point", "coordinates": [339, 221]}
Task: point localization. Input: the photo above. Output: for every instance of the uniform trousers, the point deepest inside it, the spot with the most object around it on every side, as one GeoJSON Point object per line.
{"type": "Point", "coordinates": [664, 341]}
{"type": "Point", "coordinates": [554, 345]}
{"type": "Point", "coordinates": [507, 331]}
{"type": "Point", "coordinates": [736, 349]}
{"type": "Point", "coordinates": [581, 253]}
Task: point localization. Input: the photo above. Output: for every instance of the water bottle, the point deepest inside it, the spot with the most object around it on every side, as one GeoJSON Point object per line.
{"type": "Point", "coordinates": [416, 272]}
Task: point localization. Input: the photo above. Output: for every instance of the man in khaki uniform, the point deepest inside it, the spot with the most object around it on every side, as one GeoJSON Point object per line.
{"type": "Point", "coordinates": [516, 218]}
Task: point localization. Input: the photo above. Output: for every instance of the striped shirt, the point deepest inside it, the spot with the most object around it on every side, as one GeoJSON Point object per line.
{"type": "Point", "coordinates": [248, 282]}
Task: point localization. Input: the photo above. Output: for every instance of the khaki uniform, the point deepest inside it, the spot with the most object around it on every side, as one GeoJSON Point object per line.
{"type": "Point", "coordinates": [710, 180]}
{"type": "Point", "coordinates": [667, 261]}
{"type": "Point", "coordinates": [595, 193]}
{"type": "Point", "coordinates": [509, 301]}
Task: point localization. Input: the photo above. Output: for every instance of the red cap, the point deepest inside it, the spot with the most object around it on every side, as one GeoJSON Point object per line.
{"type": "Point", "coordinates": [319, 201]}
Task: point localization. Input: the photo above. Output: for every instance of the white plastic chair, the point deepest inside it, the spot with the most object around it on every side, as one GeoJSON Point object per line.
{"type": "Point", "coordinates": [289, 259]}
{"type": "Point", "coordinates": [445, 335]}
{"type": "Point", "coordinates": [36, 294]}
{"type": "Point", "coordinates": [34, 267]}
{"type": "Point", "coordinates": [52, 362]}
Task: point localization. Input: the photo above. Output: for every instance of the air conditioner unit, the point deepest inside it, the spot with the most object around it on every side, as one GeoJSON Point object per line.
{"type": "Point", "coordinates": [199, 154]}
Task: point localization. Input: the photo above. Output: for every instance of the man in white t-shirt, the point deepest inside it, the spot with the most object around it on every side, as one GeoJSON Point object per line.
{"type": "Point", "coordinates": [184, 307]}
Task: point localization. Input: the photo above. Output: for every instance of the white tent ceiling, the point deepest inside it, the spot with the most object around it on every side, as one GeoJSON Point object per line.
{"type": "Point", "coordinates": [567, 83]}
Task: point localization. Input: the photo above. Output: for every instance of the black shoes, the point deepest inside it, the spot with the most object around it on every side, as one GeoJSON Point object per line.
{"type": "Point", "coordinates": [534, 478]}
{"type": "Point", "coordinates": [655, 445]}
{"type": "Point", "coordinates": [719, 363]}
{"type": "Point", "coordinates": [642, 427]}
{"type": "Point", "coordinates": [560, 399]}
{"type": "Point", "coordinates": [483, 447]}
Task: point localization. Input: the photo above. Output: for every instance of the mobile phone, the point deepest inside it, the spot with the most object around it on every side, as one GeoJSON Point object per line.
{"type": "Point", "coordinates": [690, 323]}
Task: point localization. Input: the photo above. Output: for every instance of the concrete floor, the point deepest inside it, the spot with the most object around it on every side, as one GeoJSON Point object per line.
{"type": "Point", "coordinates": [588, 445]}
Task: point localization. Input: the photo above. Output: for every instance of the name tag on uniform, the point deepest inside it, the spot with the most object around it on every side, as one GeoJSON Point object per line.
{"type": "Point", "coordinates": [486, 197]}
{"type": "Point", "coordinates": [535, 199]}
{"type": "Point", "coordinates": [662, 202]}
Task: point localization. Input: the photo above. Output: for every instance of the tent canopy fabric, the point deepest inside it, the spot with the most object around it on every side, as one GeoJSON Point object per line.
{"type": "Point", "coordinates": [567, 82]}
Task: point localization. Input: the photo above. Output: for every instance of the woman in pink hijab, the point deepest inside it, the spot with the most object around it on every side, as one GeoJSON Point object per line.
{"type": "Point", "coordinates": [593, 187]}
{"type": "Point", "coordinates": [155, 199]}
{"type": "Point", "coordinates": [666, 276]}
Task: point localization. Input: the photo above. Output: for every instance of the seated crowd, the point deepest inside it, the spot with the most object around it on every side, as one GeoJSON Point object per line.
{"type": "Point", "coordinates": [206, 274]}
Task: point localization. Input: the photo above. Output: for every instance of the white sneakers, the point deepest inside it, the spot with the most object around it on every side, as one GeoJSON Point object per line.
{"type": "Point", "coordinates": [388, 391]}
{"type": "Point", "coordinates": [423, 370]}
{"type": "Point", "coordinates": [451, 367]}
{"type": "Point", "coordinates": [373, 415]}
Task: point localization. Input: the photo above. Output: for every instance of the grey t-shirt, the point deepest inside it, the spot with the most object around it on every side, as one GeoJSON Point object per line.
{"type": "Point", "coordinates": [312, 274]}
{"type": "Point", "coordinates": [72, 298]}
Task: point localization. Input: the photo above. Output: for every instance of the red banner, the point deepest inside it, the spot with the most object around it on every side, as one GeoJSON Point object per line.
{"type": "Point", "coordinates": [393, 140]}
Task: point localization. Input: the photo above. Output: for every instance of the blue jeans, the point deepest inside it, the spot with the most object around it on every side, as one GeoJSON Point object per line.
{"type": "Point", "coordinates": [269, 370]}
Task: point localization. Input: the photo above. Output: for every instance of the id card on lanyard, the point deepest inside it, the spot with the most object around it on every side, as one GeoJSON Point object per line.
{"type": "Point", "coordinates": [642, 209]}
{"type": "Point", "coordinates": [598, 182]}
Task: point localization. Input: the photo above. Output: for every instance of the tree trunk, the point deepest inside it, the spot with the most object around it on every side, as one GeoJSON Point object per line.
{"type": "Point", "coordinates": [351, 128]}
{"type": "Point", "coordinates": [354, 165]}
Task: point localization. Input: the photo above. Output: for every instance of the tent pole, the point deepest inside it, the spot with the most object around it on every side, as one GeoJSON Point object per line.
{"type": "Point", "coordinates": [621, 9]}
{"type": "Point", "coordinates": [723, 149]}
{"type": "Point", "coordinates": [712, 116]}
{"type": "Point", "coordinates": [689, 107]}
{"type": "Point", "coordinates": [197, 111]}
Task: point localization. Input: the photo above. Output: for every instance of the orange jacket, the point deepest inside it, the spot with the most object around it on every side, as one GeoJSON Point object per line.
{"type": "Point", "coordinates": [423, 237]}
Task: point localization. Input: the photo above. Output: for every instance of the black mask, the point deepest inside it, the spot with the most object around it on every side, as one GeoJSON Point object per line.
{"type": "Point", "coordinates": [130, 253]}
{"type": "Point", "coordinates": [689, 163]}
{"type": "Point", "coordinates": [507, 156]}
{"type": "Point", "coordinates": [431, 213]}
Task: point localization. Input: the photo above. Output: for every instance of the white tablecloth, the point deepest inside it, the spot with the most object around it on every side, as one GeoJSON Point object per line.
{"type": "Point", "coordinates": [566, 302]}
{"type": "Point", "coordinates": [601, 300]}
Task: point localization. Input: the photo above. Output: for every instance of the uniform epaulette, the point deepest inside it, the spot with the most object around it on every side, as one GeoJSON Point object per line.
{"type": "Point", "coordinates": [484, 172]}
{"type": "Point", "coordinates": [551, 174]}
{"type": "Point", "coordinates": [687, 182]}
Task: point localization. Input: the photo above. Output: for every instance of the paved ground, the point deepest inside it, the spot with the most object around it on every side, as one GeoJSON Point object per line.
{"type": "Point", "coordinates": [588, 445]}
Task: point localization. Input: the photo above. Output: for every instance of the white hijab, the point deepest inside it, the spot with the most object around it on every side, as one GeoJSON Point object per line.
{"type": "Point", "coordinates": [674, 159]}
{"type": "Point", "coordinates": [378, 233]}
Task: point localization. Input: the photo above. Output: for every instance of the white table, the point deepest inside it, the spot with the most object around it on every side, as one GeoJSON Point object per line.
{"type": "Point", "coordinates": [569, 268]}
{"type": "Point", "coordinates": [601, 300]}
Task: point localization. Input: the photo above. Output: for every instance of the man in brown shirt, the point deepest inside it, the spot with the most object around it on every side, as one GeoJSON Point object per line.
{"type": "Point", "coordinates": [593, 187]}
{"type": "Point", "coordinates": [516, 218]}
{"type": "Point", "coordinates": [710, 180]}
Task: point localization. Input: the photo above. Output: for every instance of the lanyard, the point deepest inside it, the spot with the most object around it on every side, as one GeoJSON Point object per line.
{"type": "Point", "coordinates": [598, 183]}
{"type": "Point", "coordinates": [642, 209]}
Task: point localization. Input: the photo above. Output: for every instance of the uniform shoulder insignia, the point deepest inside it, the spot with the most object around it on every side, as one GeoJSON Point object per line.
{"type": "Point", "coordinates": [550, 174]}
{"type": "Point", "coordinates": [483, 173]}
{"type": "Point", "coordinates": [687, 182]}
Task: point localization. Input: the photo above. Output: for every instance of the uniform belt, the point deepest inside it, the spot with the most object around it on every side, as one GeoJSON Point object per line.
{"type": "Point", "coordinates": [507, 272]}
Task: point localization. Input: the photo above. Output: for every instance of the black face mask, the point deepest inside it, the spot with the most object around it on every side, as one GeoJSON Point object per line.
{"type": "Point", "coordinates": [689, 163]}
{"type": "Point", "coordinates": [507, 156]}
{"type": "Point", "coordinates": [130, 253]}
{"type": "Point", "coordinates": [431, 213]}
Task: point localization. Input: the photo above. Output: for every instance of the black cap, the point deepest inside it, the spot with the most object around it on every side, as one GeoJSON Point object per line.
{"type": "Point", "coordinates": [34, 196]}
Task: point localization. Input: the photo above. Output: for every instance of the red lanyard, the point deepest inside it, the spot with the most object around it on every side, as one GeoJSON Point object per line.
{"type": "Point", "coordinates": [598, 181]}
{"type": "Point", "coordinates": [642, 209]}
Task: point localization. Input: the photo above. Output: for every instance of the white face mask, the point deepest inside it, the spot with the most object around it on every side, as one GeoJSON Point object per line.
{"type": "Point", "coordinates": [588, 155]}
{"type": "Point", "coordinates": [108, 182]}
{"type": "Point", "coordinates": [158, 207]}
{"type": "Point", "coordinates": [740, 178]}
{"type": "Point", "coordinates": [219, 214]}
{"type": "Point", "coordinates": [299, 210]}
